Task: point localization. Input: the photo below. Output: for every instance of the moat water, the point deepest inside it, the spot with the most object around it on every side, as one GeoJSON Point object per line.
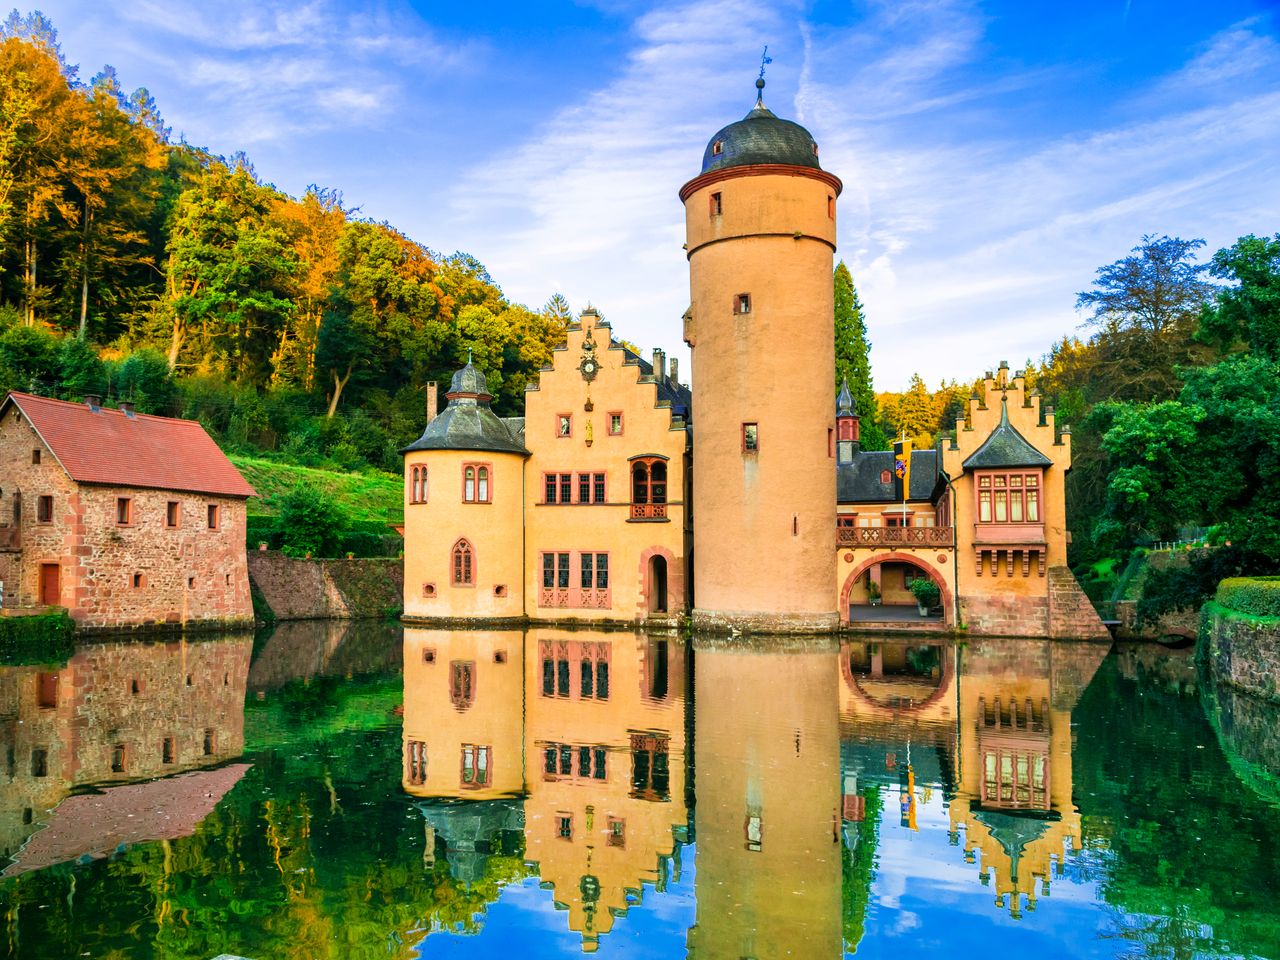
{"type": "Point", "coordinates": [351, 791]}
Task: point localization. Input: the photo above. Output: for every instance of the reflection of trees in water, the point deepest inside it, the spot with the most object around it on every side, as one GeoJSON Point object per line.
{"type": "Point", "coordinates": [1188, 842]}
{"type": "Point", "coordinates": [1177, 937]}
{"type": "Point", "coordinates": [858, 867]}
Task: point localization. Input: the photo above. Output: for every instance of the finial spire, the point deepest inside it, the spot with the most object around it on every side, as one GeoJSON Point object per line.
{"type": "Point", "coordinates": [764, 59]}
{"type": "Point", "coordinates": [468, 354]}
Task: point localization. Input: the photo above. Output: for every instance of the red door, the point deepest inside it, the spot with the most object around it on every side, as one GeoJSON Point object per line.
{"type": "Point", "coordinates": [50, 584]}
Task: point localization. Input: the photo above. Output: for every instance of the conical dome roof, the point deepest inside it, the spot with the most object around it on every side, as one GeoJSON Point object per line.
{"type": "Point", "coordinates": [469, 380]}
{"type": "Point", "coordinates": [468, 423]}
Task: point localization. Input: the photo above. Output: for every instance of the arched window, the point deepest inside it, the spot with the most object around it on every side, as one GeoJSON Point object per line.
{"type": "Point", "coordinates": [463, 564]}
{"type": "Point", "coordinates": [477, 482]}
{"type": "Point", "coordinates": [649, 489]}
{"type": "Point", "coordinates": [418, 484]}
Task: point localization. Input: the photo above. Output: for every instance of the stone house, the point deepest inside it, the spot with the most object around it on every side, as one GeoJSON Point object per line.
{"type": "Point", "coordinates": [122, 518]}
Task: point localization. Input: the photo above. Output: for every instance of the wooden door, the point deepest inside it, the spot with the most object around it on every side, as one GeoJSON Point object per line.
{"type": "Point", "coordinates": [50, 584]}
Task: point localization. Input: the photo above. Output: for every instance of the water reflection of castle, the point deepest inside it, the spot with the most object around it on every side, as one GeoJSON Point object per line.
{"type": "Point", "coordinates": [990, 726]}
{"type": "Point", "coordinates": [572, 747]}
{"type": "Point", "coordinates": [576, 740]}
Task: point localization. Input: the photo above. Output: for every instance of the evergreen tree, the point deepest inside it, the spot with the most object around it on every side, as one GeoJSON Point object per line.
{"type": "Point", "coordinates": [852, 361]}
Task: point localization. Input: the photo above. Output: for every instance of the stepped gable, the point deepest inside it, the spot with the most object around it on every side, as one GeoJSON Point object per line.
{"type": "Point", "coordinates": [119, 448]}
{"type": "Point", "coordinates": [1005, 447]}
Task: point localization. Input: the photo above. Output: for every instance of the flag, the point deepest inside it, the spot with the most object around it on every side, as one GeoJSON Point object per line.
{"type": "Point", "coordinates": [902, 469]}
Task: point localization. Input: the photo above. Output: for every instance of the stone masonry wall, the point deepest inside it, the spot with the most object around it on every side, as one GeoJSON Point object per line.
{"type": "Point", "coordinates": [1005, 615]}
{"type": "Point", "coordinates": [1071, 615]}
{"type": "Point", "coordinates": [310, 589]}
{"type": "Point", "coordinates": [1244, 653]}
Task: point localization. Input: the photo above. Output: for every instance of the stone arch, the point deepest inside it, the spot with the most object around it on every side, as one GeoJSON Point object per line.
{"type": "Point", "coordinates": [948, 608]}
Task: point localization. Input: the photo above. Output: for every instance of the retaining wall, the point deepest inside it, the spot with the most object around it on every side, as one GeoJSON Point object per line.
{"type": "Point", "coordinates": [1242, 651]}
{"type": "Point", "coordinates": [310, 589]}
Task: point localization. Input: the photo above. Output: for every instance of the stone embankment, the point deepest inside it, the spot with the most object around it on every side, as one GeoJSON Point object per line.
{"type": "Point", "coordinates": [1239, 641]}
{"type": "Point", "coordinates": [309, 589]}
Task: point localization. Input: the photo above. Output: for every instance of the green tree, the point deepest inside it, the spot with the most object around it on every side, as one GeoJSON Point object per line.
{"type": "Point", "coordinates": [228, 273]}
{"type": "Point", "coordinates": [310, 521]}
{"type": "Point", "coordinates": [853, 358]}
{"type": "Point", "coordinates": [1247, 312]}
{"type": "Point", "coordinates": [1145, 308]}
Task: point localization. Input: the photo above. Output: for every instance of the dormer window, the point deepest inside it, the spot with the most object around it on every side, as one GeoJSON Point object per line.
{"type": "Point", "coordinates": [815, 149]}
{"type": "Point", "coordinates": [717, 148]}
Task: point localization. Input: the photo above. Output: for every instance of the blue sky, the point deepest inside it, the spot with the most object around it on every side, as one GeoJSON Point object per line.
{"type": "Point", "coordinates": [993, 154]}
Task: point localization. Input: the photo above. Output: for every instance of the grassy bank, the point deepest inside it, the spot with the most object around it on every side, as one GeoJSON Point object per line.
{"type": "Point", "coordinates": [366, 496]}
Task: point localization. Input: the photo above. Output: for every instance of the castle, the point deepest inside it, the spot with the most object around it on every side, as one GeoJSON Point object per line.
{"type": "Point", "coordinates": [599, 506]}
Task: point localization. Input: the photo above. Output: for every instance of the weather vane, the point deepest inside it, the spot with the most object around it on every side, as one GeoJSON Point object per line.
{"type": "Point", "coordinates": [764, 59]}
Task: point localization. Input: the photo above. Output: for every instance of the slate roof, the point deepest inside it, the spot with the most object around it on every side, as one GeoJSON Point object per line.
{"type": "Point", "coordinates": [677, 394]}
{"type": "Point", "coordinates": [859, 481]}
{"type": "Point", "coordinates": [1006, 447]}
{"type": "Point", "coordinates": [114, 448]}
{"type": "Point", "coordinates": [468, 423]}
{"type": "Point", "coordinates": [761, 137]}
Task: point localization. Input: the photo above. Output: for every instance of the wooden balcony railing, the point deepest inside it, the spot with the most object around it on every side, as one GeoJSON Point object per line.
{"type": "Point", "coordinates": [648, 511]}
{"type": "Point", "coordinates": [895, 536]}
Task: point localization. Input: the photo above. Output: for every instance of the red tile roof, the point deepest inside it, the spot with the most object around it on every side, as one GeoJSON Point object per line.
{"type": "Point", "coordinates": [97, 824]}
{"type": "Point", "coordinates": [114, 448]}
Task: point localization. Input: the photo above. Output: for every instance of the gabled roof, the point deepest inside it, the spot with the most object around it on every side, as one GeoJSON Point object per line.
{"type": "Point", "coordinates": [114, 448]}
{"type": "Point", "coordinates": [859, 481]}
{"type": "Point", "coordinates": [678, 395]}
{"type": "Point", "coordinates": [1006, 447]}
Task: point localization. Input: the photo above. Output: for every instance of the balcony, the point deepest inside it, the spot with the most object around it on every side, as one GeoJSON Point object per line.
{"type": "Point", "coordinates": [648, 511]}
{"type": "Point", "coordinates": [895, 536]}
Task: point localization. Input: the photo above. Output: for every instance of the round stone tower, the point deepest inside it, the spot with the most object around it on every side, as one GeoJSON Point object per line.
{"type": "Point", "coordinates": [761, 229]}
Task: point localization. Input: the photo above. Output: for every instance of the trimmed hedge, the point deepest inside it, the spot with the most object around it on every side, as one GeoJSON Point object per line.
{"type": "Point", "coordinates": [1255, 596]}
{"type": "Point", "coordinates": [43, 638]}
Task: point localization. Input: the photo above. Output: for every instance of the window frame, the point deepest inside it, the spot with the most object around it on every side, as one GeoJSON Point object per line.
{"type": "Point", "coordinates": [124, 511]}
{"type": "Point", "coordinates": [621, 422]}
{"type": "Point", "coordinates": [213, 516]}
{"type": "Point", "coordinates": [44, 508]}
{"type": "Point", "coordinates": [462, 563]}
{"type": "Point", "coordinates": [564, 426]}
{"type": "Point", "coordinates": [172, 514]}
{"type": "Point", "coordinates": [741, 304]}
{"type": "Point", "coordinates": [481, 483]}
{"type": "Point", "coordinates": [418, 487]}
{"type": "Point", "coordinates": [1000, 494]}
{"type": "Point", "coordinates": [715, 204]}
{"type": "Point", "coordinates": [751, 436]}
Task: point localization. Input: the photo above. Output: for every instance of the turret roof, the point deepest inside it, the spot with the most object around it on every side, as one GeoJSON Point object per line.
{"type": "Point", "coordinates": [760, 137]}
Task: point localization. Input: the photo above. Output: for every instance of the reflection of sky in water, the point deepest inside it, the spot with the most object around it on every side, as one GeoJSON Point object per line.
{"type": "Point", "coordinates": [523, 925]}
{"type": "Point", "coordinates": [926, 897]}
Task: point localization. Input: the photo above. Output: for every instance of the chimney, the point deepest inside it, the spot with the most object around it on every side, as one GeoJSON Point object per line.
{"type": "Point", "coordinates": [93, 401]}
{"type": "Point", "coordinates": [675, 371]}
{"type": "Point", "coordinates": [126, 408]}
{"type": "Point", "coordinates": [659, 365]}
{"type": "Point", "coordinates": [433, 400]}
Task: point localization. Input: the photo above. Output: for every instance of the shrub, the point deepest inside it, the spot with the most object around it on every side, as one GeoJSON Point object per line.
{"type": "Point", "coordinates": [925, 591]}
{"type": "Point", "coordinates": [1187, 587]}
{"type": "Point", "coordinates": [1256, 596]}
{"type": "Point", "coordinates": [310, 521]}
{"type": "Point", "coordinates": [43, 638]}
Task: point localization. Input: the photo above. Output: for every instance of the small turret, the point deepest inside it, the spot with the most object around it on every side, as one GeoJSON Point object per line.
{"type": "Point", "coordinates": [848, 429]}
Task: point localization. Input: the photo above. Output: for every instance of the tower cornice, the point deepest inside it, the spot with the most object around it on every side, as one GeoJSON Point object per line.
{"type": "Point", "coordinates": [759, 170]}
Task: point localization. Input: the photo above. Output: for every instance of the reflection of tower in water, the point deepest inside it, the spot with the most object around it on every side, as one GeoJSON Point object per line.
{"type": "Point", "coordinates": [768, 814]}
